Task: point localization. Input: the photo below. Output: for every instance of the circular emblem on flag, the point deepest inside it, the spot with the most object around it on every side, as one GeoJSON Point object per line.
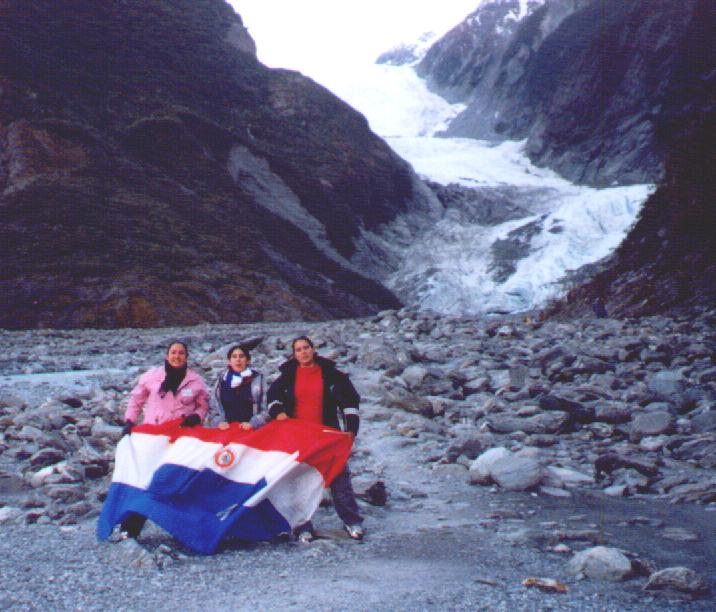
{"type": "Point", "coordinates": [224, 458]}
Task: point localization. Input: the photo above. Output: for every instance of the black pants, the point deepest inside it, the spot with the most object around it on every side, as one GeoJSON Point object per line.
{"type": "Point", "coordinates": [133, 524]}
{"type": "Point", "coordinates": [344, 501]}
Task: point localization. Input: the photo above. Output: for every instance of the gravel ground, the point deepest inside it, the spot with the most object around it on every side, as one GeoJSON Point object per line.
{"type": "Point", "coordinates": [433, 549]}
{"type": "Point", "coordinates": [439, 543]}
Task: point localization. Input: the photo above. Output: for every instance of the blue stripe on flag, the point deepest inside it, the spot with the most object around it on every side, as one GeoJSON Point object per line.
{"type": "Point", "coordinates": [199, 508]}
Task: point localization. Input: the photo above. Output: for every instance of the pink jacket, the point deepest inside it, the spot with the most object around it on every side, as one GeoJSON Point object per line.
{"type": "Point", "coordinates": [191, 397]}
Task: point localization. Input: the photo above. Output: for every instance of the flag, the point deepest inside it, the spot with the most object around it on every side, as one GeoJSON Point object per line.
{"type": "Point", "coordinates": [203, 485]}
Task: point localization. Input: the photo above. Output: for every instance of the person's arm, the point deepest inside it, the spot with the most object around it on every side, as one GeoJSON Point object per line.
{"type": "Point", "coordinates": [275, 397]}
{"type": "Point", "coordinates": [202, 400]}
{"type": "Point", "coordinates": [137, 399]}
{"type": "Point", "coordinates": [260, 418]}
{"type": "Point", "coordinates": [349, 400]}
{"type": "Point", "coordinates": [201, 404]}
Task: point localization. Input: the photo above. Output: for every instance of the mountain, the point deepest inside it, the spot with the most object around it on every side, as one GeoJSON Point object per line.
{"type": "Point", "coordinates": [668, 261]}
{"type": "Point", "coordinates": [153, 173]}
{"type": "Point", "coordinates": [589, 84]}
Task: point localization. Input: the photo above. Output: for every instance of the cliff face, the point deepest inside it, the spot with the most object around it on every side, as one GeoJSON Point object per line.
{"type": "Point", "coordinates": [588, 83]}
{"type": "Point", "coordinates": [668, 260]}
{"type": "Point", "coordinates": [153, 172]}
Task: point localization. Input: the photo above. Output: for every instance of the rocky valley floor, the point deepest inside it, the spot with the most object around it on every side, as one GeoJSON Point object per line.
{"type": "Point", "coordinates": [580, 452]}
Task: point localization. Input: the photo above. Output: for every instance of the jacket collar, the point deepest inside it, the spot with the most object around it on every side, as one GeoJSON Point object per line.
{"type": "Point", "coordinates": [291, 365]}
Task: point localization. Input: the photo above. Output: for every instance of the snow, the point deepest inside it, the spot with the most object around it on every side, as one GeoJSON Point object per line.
{"type": "Point", "coordinates": [450, 267]}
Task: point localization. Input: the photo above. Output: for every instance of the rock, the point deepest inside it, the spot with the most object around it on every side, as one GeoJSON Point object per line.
{"type": "Point", "coordinates": [615, 491]}
{"type": "Point", "coordinates": [414, 375]}
{"type": "Point", "coordinates": [600, 563]}
{"type": "Point", "coordinates": [516, 473]}
{"type": "Point", "coordinates": [375, 494]}
{"type": "Point", "coordinates": [680, 534]}
{"type": "Point", "coordinates": [703, 492]}
{"type": "Point", "coordinates": [704, 421]}
{"type": "Point", "coordinates": [678, 579]}
{"type": "Point", "coordinates": [567, 477]}
{"type": "Point", "coordinates": [100, 429]}
{"type": "Point", "coordinates": [551, 422]}
{"type": "Point", "coordinates": [653, 443]}
{"type": "Point", "coordinates": [667, 384]}
{"type": "Point", "coordinates": [650, 424]}
{"type": "Point", "coordinates": [518, 376]}
{"type": "Point", "coordinates": [577, 411]}
{"type": "Point", "coordinates": [9, 514]}
{"type": "Point", "coordinates": [554, 492]}
{"type": "Point", "coordinates": [480, 470]}
{"type": "Point", "coordinates": [612, 412]}
{"type": "Point", "coordinates": [46, 456]}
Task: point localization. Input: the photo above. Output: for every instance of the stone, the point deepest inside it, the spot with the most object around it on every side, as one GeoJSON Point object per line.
{"type": "Point", "coordinates": [481, 467]}
{"type": "Point", "coordinates": [46, 456]}
{"type": "Point", "coordinates": [414, 375]}
{"type": "Point", "coordinates": [568, 477]}
{"type": "Point", "coordinates": [544, 423]}
{"type": "Point", "coordinates": [9, 514]}
{"type": "Point", "coordinates": [600, 563]}
{"type": "Point", "coordinates": [667, 384]}
{"type": "Point", "coordinates": [680, 534]}
{"type": "Point", "coordinates": [678, 579]}
{"type": "Point", "coordinates": [704, 421]}
{"type": "Point", "coordinates": [612, 412]}
{"type": "Point", "coordinates": [576, 410]}
{"type": "Point", "coordinates": [516, 473]}
{"type": "Point", "coordinates": [650, 424]}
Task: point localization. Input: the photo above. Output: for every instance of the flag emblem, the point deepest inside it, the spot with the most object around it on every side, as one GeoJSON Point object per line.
{"type": "Point", "coordinates": [224, 458]}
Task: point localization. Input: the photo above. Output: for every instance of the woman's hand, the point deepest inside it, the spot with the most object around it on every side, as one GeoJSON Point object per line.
{"type": "Point", "coordinates": [282, 416]}
{"type": "Point", "coordinates": [223, 425]}
{"type": "Point", "coordinates": [246, 426]}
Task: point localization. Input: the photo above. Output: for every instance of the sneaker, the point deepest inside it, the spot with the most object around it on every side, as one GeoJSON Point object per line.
{"type": "Point", "coordinates": [305, 537]}
{"type": "Point", "coordinates": [119, 536]}
{"type": "Point", "coordinates": [354, 531]}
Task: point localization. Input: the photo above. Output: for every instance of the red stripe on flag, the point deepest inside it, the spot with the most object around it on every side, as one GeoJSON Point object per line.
{"type": "Point", "coordinates": [322, 447]}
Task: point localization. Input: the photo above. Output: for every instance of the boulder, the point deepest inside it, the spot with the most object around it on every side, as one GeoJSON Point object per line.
{"type": "Point", "coordinates": [678, 579]}
{"type": "Point", "coordinates": [480, 469]}
{"type": "Point", "coordinates": [600, 563]}
{"type": "Point", "coordinates": [650, 424]}
{"type": "Point", "coordinates": [516, 473]}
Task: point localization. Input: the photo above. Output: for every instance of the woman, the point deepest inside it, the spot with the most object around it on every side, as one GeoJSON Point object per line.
{"type": "Point", "coordinates": [163, 394]}
{"type": "Point", "coordinates": [240, 391]}
{"type": "Point", "coordinates": [311, 388]}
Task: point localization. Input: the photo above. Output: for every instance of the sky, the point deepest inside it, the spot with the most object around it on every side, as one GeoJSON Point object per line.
{"type": "Point", "coordinates": [306, 35]}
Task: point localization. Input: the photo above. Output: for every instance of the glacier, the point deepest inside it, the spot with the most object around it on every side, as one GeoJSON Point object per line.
{"type": "Point", "coordinates": [460, 264]}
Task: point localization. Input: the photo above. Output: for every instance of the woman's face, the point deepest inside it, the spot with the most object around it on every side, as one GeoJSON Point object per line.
{"type": "Point", "coordinates": [176, 356]}
{"type": "Point", "coordinates": [238, 361]}
{"type": "Point", "coordinates": [303, 353]}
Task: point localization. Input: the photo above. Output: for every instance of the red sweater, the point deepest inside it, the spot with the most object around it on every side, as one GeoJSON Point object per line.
{"type": "Point", "coordinates": [309, 394]}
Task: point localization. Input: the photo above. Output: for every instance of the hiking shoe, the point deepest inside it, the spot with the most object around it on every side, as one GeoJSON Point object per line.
{"type": "Point", "coordinates": [119, 536]}
{"type": "Point", "coordinates": [305, 537]}
{"type": "Point", "coordinates": [354, 531]}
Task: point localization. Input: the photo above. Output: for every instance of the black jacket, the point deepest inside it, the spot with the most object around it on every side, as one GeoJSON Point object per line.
{"type": "Point", "coordinates": [339, 395]}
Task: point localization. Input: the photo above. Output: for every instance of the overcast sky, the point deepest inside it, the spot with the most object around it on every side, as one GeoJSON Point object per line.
{"type": "Point", "coordinates": [311, 34]}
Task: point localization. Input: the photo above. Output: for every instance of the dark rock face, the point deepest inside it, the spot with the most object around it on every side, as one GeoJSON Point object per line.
{"type": "Point", "coordinates": [153, 173]}
{"type": "Point", "coordinates": [589, 84]}
{"type": "Point", "coordinates": [668, 261]}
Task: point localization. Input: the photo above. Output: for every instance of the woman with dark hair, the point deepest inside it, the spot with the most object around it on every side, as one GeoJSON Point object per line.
{"type": "Point", "coordinates": [310, 387]}
{"type": "Point", "coordinates": [163, 394]}
{"type": "Point", "coordinates": [240, 391]}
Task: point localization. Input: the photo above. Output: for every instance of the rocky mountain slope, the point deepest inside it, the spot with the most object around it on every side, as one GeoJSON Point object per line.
{"type": "Point", "coordinates": [589, 84]}
{"type": "Point", "coordinates": [153, 172]}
